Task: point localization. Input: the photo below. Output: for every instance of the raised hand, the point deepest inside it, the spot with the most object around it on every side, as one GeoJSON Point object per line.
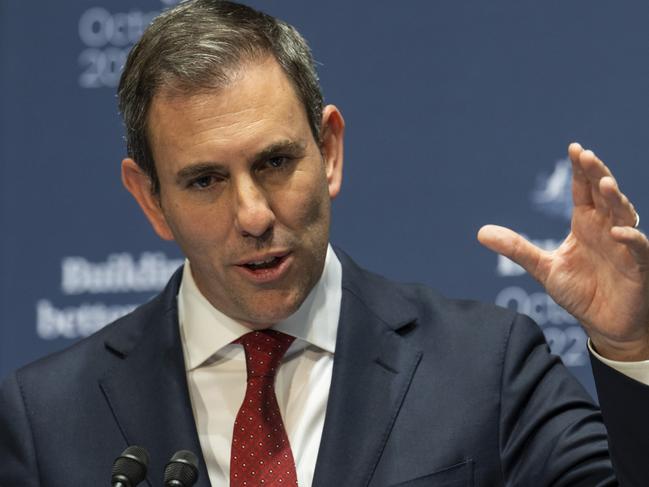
{"type": "Point", "coordinates": [600, 273]}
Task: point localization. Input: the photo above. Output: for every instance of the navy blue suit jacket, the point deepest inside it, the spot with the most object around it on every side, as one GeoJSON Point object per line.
{"type": "Point", "coordinates": [425, 392]}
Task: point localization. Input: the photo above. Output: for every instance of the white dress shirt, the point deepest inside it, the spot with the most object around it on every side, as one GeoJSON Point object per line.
{"type": "Point", "coordinates": [216, 371]}
{"type": "Point", "coordinates": [638, 371]}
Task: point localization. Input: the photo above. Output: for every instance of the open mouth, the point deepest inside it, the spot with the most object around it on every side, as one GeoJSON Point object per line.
{"type": "Point", "coordinates": [266, 269]}
{"type": "Point", "coordinates": [269, 263]}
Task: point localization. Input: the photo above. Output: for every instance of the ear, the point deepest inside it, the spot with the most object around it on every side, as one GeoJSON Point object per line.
{"type": "Point", "coordinates": [139, 185]}
{"type": "Point", "coordinates": [332, 134]}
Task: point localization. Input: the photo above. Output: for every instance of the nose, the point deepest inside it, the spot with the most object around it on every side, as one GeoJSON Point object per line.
{"type": "Point", "coordinates": [253, 214]}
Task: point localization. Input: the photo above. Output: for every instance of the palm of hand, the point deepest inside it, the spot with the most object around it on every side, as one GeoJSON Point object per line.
{"type": "Point", "coordinates": [597, 280]}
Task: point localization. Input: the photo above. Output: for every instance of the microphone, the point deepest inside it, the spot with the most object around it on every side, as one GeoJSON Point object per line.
{"type": "Point", "coordinates": [129, 469]}
{"type": "Point", "coordinates": [182, 470]}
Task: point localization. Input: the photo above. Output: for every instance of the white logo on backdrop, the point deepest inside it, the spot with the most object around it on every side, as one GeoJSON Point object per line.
{"type": "Point", "coordinates": [119, 274]}
{"type": "Point", "coordinates": [551, 196]}
{"type": "Point", "coordinates": [107, 38]}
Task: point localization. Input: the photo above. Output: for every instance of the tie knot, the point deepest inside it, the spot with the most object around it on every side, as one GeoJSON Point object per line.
{"type": "Point", "coordinates": [264, 350]}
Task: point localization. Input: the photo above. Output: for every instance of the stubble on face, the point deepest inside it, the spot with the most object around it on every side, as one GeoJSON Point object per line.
{"type": "Point", "coordinates": [262, 308]}
{"type": "Point", "coordinates": [229, 127]}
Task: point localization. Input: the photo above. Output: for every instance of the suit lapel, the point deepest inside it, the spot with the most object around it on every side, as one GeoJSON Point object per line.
{"type": "Point", "coordinates": [147, 389]}
{"type": "Point", "coordinates": [373, 367]}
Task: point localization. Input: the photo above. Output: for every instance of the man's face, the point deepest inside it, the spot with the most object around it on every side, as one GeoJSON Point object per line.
{"type": "Point", "coordinates": [245, 190]}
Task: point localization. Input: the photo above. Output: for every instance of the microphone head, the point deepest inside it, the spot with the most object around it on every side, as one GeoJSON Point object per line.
{"type": "Point", "coordinates": [130, 467]}
{"type": "Point", "coordinates": [182, 470]}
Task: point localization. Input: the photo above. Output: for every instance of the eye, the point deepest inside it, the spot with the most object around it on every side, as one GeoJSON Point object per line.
{"type": "Point", "coordinates": [203, 182]}
{"type": "Point", "coordinates": [276, 165]}
{"type": "Point", "coordinates": [277, 162]}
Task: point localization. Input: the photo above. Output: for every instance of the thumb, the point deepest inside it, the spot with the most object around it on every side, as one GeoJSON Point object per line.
{"type": "Point", "coordinates": [513, 246]}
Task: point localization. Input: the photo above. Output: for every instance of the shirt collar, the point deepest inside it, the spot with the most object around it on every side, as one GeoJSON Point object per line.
{"type": "Point", "coordinates": [205, 330]}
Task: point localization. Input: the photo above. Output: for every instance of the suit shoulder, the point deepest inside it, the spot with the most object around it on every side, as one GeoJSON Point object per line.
{"type": "Point", "coordinates": [436, 316]}
{"type": "Point", "coordinates": [385, 294]}
{"type": "Point", "coordinates": [467, 320]}
{"type": "Point", "coordinates": [88, 354]}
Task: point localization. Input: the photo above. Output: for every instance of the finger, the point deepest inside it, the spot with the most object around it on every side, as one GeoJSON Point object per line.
{"type": "Point", "coordinates": [592, 166]}
{"type": "Point", "coordinates": [636, 242]}
{"type": "Point", "coordinates": [594, 170]}
{"type": "Point", "coordinates": [621, 209]}
{"type": "Point", "coordinates": [513, 246]}
{"type": "Point", "coordinates": [580, 185]}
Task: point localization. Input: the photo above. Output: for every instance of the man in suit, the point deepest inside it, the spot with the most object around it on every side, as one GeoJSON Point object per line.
{"type": "Point", "coordinates": [233, 155]}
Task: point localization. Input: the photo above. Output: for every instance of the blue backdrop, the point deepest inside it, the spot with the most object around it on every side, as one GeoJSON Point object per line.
{"type": "Point", "coordinates": [459, 113]}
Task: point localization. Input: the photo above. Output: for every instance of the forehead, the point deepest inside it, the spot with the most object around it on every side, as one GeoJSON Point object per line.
{"type": "Point", "coordinates": [259, 103]}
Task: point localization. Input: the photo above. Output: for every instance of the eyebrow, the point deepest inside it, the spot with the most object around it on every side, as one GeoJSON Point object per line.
{"type": "Point", "coordinates": [291, 147]}
{"type": "Point", "coordinates": [283, 146]}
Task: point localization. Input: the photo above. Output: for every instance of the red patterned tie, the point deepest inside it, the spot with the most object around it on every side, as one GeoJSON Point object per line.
{"type": "Point", "coordinates": [261, 454]}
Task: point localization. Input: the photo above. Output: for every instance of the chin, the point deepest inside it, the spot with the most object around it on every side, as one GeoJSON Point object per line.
{"type": "Point", "coordinates": [268, 312]}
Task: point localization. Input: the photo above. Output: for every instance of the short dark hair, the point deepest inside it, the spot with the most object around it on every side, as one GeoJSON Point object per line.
{"type": "Point", "coordinates": [196, 46]}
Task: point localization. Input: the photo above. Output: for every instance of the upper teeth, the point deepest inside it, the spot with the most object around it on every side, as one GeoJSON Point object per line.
{"type": "Point", "coordinates": [259, 262]}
